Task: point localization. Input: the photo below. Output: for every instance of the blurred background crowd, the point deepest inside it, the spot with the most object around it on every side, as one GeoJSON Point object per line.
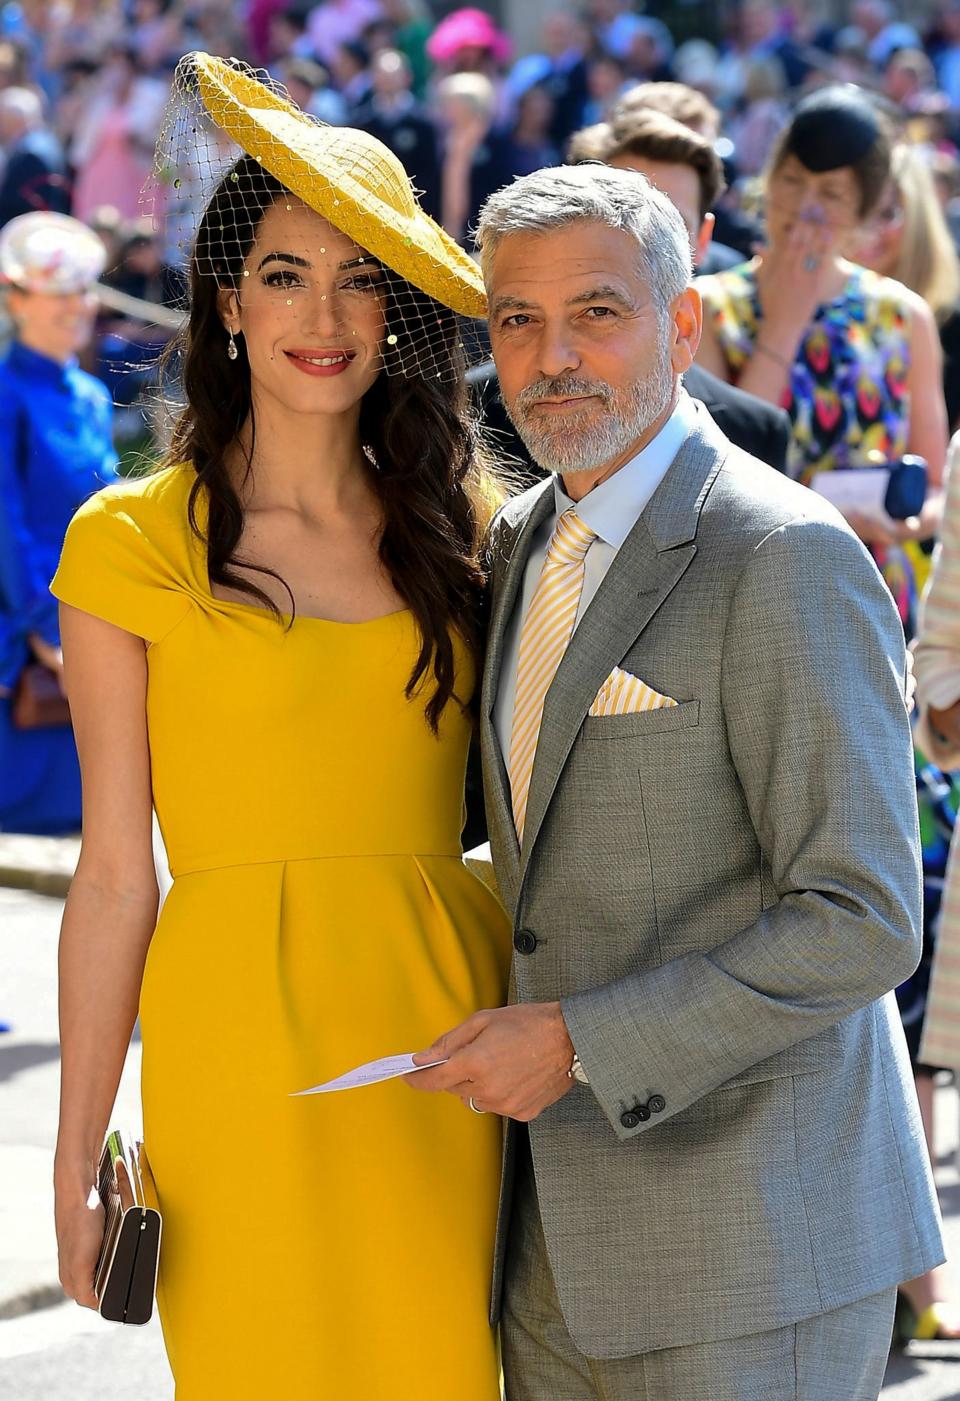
{"type": "Point", "coordinates": [467, 105]}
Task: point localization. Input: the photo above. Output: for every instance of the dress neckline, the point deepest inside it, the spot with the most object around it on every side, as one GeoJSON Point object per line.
{"type": "Point", "coordinates": [256, 609]}
{"type": "Point", "coordinates": [299, 617]}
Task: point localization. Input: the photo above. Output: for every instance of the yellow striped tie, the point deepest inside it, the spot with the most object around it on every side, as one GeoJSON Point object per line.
{"type": "Point", "coordinates": [547, 630]}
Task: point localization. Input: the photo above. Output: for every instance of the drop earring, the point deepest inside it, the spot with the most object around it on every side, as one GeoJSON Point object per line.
{"type": "Point", "coordinates": [232, 351]}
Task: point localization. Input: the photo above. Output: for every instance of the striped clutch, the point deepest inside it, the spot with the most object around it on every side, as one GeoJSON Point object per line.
{"type": "Point", "coordinates": [623, 694]}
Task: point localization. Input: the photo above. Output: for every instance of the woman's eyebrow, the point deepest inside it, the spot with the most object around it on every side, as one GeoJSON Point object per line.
{"type": "Point", "coordinates": [360, 261]}
{"type": "Point", "coordinates": [283, 258]}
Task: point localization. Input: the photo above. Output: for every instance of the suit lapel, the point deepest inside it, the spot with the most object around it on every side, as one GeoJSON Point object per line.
{"type": "Point", "coordinates": [647, 568]}
{"type": "Point", "coordinates": [507, 585]}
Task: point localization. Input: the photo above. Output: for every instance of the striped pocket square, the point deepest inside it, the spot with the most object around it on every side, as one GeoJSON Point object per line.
{"type": "Point", "coordinates": [623, 694]}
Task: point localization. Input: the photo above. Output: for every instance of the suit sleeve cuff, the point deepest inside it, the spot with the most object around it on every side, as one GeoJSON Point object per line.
{"type": "Point", "coordinates": [630, 1104]}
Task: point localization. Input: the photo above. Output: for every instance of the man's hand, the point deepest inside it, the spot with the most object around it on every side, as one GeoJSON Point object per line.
{"type": "Point", "coordinates": [512, 1061]}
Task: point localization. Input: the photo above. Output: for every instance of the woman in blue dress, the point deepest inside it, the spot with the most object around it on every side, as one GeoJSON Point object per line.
{"type": "Point", "coordinates": [56, 449]}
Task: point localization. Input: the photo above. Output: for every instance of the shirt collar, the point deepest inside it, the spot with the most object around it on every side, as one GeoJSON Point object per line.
{"type": "Point", "coordinates": [32, 362]}
{"type": "Point", "coordinates": [613, 508]}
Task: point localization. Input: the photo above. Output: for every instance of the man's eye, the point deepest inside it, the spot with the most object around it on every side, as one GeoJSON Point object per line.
{"type": "Point", "coordinates": [603, 312]}
{"type": "Point", "coordinates": [282, 278]}
{"type": "Point", "coordinates": [518, 319]}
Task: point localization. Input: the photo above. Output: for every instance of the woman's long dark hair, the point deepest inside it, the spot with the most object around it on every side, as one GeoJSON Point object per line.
{"type": "Point", "coordinates": [429, 458]}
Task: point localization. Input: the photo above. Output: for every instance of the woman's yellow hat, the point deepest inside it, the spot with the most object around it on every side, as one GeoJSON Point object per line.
{"type": "Point", "coordinates": [346, 175]}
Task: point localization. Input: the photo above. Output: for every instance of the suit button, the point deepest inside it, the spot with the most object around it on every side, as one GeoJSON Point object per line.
{"type": "Point", "coordinates": [525, 941]}
{"type": "Point", "coordinates": [633, 1118]}
{"type": "Point", "coordinates": [656, 1104]}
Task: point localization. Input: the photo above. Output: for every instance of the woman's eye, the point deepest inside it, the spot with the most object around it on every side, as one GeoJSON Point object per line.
{"type": "Point", "coordinates": [282, 279]}
{"type": "Point", "coordinates": [364, 282]}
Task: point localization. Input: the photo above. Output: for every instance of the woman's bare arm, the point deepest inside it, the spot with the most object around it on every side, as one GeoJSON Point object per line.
{"type": "Point", "coordinates": [929, 431]}
{"type": "Point", "coordinates": [109, 918]}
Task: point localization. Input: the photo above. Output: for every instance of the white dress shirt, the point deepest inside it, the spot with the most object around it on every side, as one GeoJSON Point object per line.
{"type": "Point", "coordinates": [611, 509]}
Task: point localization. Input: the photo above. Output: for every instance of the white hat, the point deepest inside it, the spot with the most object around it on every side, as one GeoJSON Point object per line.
{"type": "Point", "coordinates": [53, 253]}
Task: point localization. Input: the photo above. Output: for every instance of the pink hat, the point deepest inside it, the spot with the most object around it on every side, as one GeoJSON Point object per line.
{"type": "Point", "coordinates": [467, 29]}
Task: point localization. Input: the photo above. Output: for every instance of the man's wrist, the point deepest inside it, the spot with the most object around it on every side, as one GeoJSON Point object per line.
{"type": "Point", "coordinates": [575, 1070]}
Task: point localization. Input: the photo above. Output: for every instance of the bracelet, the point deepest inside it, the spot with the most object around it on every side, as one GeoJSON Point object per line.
{"type": "Point", "coordinates": [765, 350]}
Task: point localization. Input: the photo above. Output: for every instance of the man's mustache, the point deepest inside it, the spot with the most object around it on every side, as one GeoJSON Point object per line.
{"type": "Point", "coordinates": [563, 387]}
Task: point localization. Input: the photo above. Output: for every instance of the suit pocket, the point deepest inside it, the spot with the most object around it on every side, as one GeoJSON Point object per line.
{"type": "Point", "coordinates": [682, 716]}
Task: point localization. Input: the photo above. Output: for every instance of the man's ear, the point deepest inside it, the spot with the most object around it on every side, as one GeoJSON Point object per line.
{"type": "Point", "coordinates": [688, 325]}
{"type": "Point", "coordinates": [704, 238]}
{"type": "Point", "coordinates": [228, 307]}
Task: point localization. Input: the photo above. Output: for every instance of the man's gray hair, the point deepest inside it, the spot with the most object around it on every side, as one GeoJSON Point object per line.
{"type": "Point", "coordinates": [559, 196]}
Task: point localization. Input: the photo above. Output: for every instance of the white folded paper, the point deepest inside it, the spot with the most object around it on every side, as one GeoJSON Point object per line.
{"type": "Point", "coordinates": [854, 488]}
{"type": "Point", "coordinates": [389, 1068]}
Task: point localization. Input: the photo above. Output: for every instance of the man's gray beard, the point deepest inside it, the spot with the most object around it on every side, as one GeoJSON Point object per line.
{"type": "Point", "coordinates": [560, 446]}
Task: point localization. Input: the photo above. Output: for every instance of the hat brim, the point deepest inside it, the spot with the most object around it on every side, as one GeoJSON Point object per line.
{"type": "Point", "coordinates": [365, 200]}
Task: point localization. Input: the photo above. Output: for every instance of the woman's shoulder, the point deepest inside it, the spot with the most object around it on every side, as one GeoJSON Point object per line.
{"type": "Point", "coordinates": [147, 514]}
{"type": "Point", "coordinates": [130, 556]}
{"type": "Point", "coordinates": [730, 300]}
{"type": "Point", "coordinates": [887, 293]}
{"type": "Point", "coordinates": [154, 500]}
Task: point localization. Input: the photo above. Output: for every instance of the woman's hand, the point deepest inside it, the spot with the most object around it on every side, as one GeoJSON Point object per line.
{"type": "Point", "coordinates": [793, 279]}
{"type": "Point", "coordinates": [46, 654]}
{"type": "Point", "coordinates": [945, 724]}
{"type": "Point", "coordinates": [79, 1237]}
{"type": "Point", "coordinates": [927, 524]}
{"type": "Point", "coordinates": [874, 527]}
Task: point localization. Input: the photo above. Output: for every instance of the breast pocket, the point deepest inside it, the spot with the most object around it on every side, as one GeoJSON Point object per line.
{"type": "Point", "coordinates": [670, 718]}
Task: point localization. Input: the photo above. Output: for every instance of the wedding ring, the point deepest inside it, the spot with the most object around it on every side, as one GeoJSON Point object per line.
{"type": "Point", "coordinates": [810, 263]}
{"type": "Point", "coordinates": [474, 1107]}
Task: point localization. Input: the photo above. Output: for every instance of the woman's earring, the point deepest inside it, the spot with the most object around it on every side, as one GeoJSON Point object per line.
{"type": "Point", "coordinates": [232, 351]}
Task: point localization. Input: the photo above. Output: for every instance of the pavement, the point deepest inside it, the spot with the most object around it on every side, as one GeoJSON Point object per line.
{"type": "Point", "coordinates": [51, 1350]}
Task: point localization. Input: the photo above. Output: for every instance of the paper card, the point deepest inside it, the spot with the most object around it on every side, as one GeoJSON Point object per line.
{"type": "Point", "coordinates": [854, 488]}
{"type": "Point", "coordinates": [375, 1071]}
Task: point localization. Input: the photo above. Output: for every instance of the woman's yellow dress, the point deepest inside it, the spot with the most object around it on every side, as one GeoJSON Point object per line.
{"type": "Point", "coordinates": [334, 1246]}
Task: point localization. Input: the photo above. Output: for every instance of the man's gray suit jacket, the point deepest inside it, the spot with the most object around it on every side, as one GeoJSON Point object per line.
{"type": "Point", "coordinates": [722, 894]}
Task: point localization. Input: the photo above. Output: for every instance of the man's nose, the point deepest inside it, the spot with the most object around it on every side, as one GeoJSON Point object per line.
{"type": "Point", "coordinates": [558, 353]}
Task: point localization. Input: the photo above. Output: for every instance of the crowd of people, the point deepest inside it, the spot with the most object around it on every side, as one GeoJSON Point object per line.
{"type": "Point", "coordinates": [816, 169]}
{"type": "Point", "coordinates": [84, 86]}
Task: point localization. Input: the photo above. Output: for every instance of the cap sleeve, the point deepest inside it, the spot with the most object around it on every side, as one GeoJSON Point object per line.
{"type": "Point", "coordinates": [114, 566]}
